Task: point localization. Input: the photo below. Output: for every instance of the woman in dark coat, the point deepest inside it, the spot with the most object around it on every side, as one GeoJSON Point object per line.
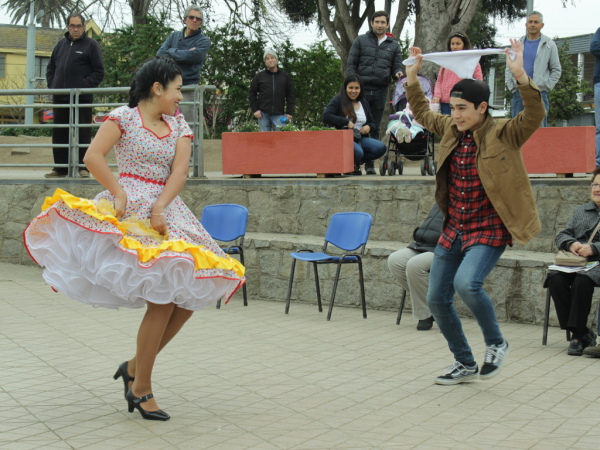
{"type": "Point", "coordinates": [348, 110]}
{"type": "Point", "coordinates": [572, 292]}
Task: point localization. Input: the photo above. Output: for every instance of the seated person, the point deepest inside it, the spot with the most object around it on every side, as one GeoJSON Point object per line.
{"type": "Point", "coordinates": [348, 110]}
{"type": "Point", "coordinates": [410, 266]}
{"type": "Point", "coordinates": [572, 292]}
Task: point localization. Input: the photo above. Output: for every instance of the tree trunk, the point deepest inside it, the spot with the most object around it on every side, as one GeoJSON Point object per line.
{"type": "Point", "coordinates": [435, 21]}
{"type": "Point", "coordinates": [139, 9]}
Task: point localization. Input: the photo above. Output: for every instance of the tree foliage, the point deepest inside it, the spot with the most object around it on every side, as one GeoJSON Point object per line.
{"type": "Point", "coordinates": [564, 104]}
{"type": "Point", "coordinates": [317, 78]}
{"type": "Point", "coordinates": [127, 48]}
{"type": "Point", "coordinates": [55, 11]}
{"type": "Point", "coordinates": [232, 61]}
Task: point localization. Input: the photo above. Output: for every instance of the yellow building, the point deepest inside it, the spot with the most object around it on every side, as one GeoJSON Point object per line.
{"type": "Point", "coordinates": [13, 63]}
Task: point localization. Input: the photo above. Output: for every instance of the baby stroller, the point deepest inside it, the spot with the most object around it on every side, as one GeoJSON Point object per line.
{"type": "Point", "coordinates": [416, 146]}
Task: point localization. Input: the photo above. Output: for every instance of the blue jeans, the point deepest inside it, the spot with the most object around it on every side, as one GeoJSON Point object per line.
{"type": "Point", "coordinates": [369, 149]}
{"type": "Point", "coordinates": [445, 109]}
{"type": "Point", "coordinates": [597, 114]}
{"type": "Point", "coordinates": [517, 105]}
{"type": "Point", "coordinates": [269, 121]}
{"type": "Point", "coordinates": [464, 272]}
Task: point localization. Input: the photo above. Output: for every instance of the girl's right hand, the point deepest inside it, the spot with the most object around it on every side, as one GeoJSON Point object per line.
{"type": "Point", "coordinates": [350, 125]}
{"type": "Point", "coordinates": [121, 205]}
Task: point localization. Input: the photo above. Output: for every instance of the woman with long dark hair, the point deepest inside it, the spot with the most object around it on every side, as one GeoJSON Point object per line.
{"type": "Point", "coordinates": [137, 244]}
{"type": "Point", "coordinates": [446, 78]}
{"type": "Point", "coordinates": [348, 110]}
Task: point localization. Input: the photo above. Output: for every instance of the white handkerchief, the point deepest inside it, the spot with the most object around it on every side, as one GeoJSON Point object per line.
{"type": "Point", "coordinates": [462, 62]}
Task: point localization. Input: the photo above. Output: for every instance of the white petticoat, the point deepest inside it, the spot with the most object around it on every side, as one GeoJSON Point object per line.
{"type": "Point", "coordinates": [93, 269]}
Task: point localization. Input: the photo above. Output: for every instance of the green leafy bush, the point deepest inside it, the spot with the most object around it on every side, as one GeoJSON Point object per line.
{"type": "Point", "coordinates": [246, 127]}
{"type": "Point", "coordinates": [37, 132]}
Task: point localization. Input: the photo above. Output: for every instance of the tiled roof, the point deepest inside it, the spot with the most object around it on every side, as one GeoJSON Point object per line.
{"type": "Point", "coordinates": [15, 36]}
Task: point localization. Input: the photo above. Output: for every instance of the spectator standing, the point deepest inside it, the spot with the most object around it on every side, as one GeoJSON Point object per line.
{"type": "Point", "coordinates": [271, 94]}
{"type": "Point", "coordinates": [76, 62]}
{"type": "Point", "coordinates": [541, 64]}
{"type": "Point", "coordinates": [411, 265]}
{"type": "Point", "coordinates": [446, 78]}
{"type": "Point", "coordinates": [188, 48]}
{"type": "Point", "coordinates": [376, 57]}
{"type": "Point", "coordinates": [595, 50]}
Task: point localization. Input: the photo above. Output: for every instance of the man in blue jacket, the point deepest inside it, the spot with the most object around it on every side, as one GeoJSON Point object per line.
{"type": "Point", "coordinates": [595, 50]}
{"type": "Point", "coordinates": [188, 48]}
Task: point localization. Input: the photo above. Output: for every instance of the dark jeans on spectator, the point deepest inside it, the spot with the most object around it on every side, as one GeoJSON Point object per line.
{"type": "Point", "coordinates": [368, 150]}
{"type": "Point", "coordinates": [517, 106]}
{"type": "Point", "coordinates": [61, 135]}
{"type": "Point", "coordinates": [572, 295]}
{"type": "Point", "coordinates": [376, 99]}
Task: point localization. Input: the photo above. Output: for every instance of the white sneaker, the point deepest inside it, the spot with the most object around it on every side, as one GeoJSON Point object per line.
{"type": "Point", "coordinates": [458, 373]}
{"type": "Point", "coordinates": [495, 356]}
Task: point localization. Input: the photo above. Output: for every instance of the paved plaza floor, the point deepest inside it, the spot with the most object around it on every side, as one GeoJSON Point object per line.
{"type": "Point", "coordinates": [255, 378]}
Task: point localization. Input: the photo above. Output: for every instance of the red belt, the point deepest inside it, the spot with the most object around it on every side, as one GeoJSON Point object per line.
{"type": "Point", "coordinates": [146, 180]}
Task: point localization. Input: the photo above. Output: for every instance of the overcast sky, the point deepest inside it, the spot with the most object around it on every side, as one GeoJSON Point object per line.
{"type": "Point", "coordinates": [582, 18]}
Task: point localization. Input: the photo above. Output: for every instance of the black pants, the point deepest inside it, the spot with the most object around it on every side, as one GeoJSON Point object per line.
{"type": "Point", "coordinates": [376, 98]}
{"type": "Point", "coordinates": [572, 295]}
{"type": "Point", "coordinates": [61, 135]}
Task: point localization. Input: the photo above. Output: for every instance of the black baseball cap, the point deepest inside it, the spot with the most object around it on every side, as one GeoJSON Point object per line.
{"type": "Point", "coordinates": [473, 91]}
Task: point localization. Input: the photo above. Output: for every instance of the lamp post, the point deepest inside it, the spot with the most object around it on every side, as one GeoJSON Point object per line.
{"type": "Point", "coordinates": [30, 71]}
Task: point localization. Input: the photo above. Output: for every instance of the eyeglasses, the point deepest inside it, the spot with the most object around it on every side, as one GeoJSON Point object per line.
{"type": "Point", "coordinates": [595, 185]}
{"type": "Point", "coordinates": [195, 18]}
{"type": "Point", "coordinates": [76, 27]}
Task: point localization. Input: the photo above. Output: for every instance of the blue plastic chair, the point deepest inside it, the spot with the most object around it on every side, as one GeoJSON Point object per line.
{"type": "Point", "coordinates": [226, 223]}
{"type": "Point", "coordinates": [347, 231]}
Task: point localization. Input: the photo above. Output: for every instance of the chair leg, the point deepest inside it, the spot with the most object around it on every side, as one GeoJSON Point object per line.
{"type": "Point", "coordinates": [401, 306]}
{"type": "Point", "coordinates": [244, 286]}
{"type": "Point", "coordinates": [335, 282]}
{"type": "Point", "coordinates": [219, 304]}
{"type": "Point", "coordinates": [318, 287]}
{"type": "Point", "coordinates": [361, 281]}
{"type": "Point", "coordinates": [546, 318]}
{"type": "Point", "coordinates": [568, 335]}
{"type": "Point", "coordinates": [287, 305]}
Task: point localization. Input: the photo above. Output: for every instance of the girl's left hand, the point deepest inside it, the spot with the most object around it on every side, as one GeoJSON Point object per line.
{"type": "Point", "coordinates": [158, 221]}
{"type": "Point", "coordinates": [365, 129]}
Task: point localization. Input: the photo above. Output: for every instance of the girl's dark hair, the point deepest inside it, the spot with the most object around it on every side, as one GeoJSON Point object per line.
{"type": "Point", "coordinates": [463, 37]}
{"type": "Point", "coordinates": [347, 106]}
{"type": "Point", "coordinates": [156, 69]}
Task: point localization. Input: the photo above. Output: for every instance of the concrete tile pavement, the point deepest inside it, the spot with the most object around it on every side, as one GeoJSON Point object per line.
{"type": "Point", "coordinates": [255, 378]}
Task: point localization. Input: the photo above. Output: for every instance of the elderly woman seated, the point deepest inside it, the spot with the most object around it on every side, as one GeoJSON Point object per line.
{"type": "Point", "coordinates": [572, 292]}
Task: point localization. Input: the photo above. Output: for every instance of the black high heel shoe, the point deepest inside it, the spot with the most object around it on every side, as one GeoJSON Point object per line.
{"type": "Point", "coordinates": [135, 402]}
{"type": "Point", "coordinates": [122, 372]}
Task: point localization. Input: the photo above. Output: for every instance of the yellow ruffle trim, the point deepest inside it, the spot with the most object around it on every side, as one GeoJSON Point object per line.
{"type": "Point", "coordinates": [104, 211]}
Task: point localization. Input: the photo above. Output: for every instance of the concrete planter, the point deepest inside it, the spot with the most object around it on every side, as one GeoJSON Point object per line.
{"type": "Point", "coordinates": [288, 152]}
{"type": "Point", "coordinates": [561, 150]}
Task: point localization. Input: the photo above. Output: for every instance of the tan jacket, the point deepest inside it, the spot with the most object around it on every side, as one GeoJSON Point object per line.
{"type": "Point", "coordinates": [498, 158]}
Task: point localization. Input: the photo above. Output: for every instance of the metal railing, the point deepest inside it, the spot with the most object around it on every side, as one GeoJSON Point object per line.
{"type": "Point", "coordinates": [74, 126]}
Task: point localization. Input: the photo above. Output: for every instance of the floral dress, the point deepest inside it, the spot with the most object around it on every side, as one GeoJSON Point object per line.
{"type": "Point", "coordinates": [91, 256]}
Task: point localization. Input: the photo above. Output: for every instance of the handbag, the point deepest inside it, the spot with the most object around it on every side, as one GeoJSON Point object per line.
{"type": "Point", "coordinates": [567, 258]}
{"type": "Point", "coordinates": [357, 135]}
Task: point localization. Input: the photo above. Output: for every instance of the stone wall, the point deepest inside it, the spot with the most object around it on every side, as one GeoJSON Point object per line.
{"type": "Point", "coordinates": [292, 215]}
{"type": "Point", "coordinates": [515, 284]}
{"type": "Point", "coordinates": [301, 207]}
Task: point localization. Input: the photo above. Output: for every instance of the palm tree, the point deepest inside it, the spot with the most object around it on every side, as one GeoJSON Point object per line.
{"type": "Point", "coordinates": [56, 11]}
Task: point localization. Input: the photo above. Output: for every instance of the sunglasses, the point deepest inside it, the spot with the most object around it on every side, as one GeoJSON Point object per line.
{"type": "Point", "coordinates": [195, 18]}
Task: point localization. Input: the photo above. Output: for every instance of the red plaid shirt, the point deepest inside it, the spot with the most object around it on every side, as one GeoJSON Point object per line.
{"type": "Point", "coordinates": [470, 212]}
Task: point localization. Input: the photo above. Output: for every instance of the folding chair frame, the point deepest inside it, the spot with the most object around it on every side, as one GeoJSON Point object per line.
{"type": "Point", "coordinates": [339, 263]}
{"type": "Point", "coordinates": [401, 306]}
{"type": "Point", "coordinates": [547, 318]}
{"type": "Point", "coordinates": [236, 250]}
